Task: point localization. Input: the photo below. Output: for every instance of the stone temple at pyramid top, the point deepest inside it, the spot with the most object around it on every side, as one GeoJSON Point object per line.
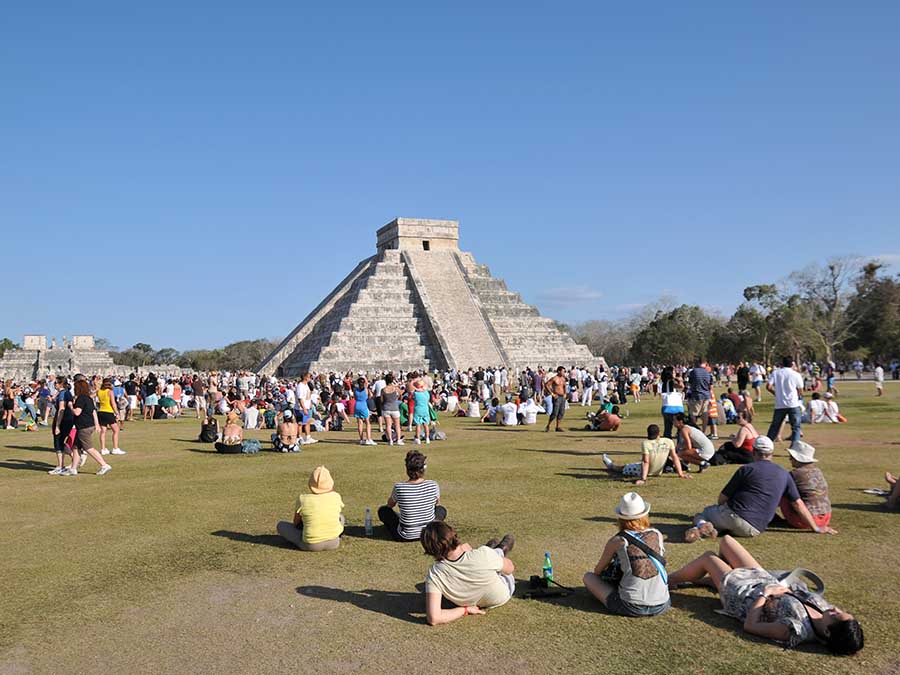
{"type": "Point", "coordinates": [419, 234]}
{"type": "Point", "coordinates": [420, 303]}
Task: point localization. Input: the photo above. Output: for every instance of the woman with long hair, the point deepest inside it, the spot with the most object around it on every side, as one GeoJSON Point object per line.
{"type": "Point", "coordinates": [390, 408]}
{"type": "Point", "coordinates": [9, 406]}
{"type": "Point", "coordinates": [108, 416]}
{"type": "Point", "coordinates": [85, 422]}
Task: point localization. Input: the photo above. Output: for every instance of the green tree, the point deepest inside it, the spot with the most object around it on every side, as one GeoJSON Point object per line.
{"type": "Point", "coordinates": [6, 344]}
{"type": "Point", "coordinates": [874, 311]}
{"type": "Point", "coordinates": [678, 336]}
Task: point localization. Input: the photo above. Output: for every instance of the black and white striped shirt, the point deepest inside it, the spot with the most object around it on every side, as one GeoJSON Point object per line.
{"type": "Point", "coordinates": [416, 502]}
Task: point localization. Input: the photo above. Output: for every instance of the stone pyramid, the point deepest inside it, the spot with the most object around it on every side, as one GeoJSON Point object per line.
{"type": "Point", "coordinates": [420, 302]}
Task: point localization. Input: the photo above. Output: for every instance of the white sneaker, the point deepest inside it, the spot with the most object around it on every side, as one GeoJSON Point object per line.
{"type": "Point", "coordinates": [310, 440]}
{"type": "Point", "coordinates": [106, 468]}
{"type": "Point", "coordinates": [400, 442]}
{"type": "Point", "coordinates": [82, 460]}
{"type": "Point", "coordinates": [69, 472]}
{"type": "Point", "coordinates": [362, 442]}
{"type": "Point", "coordinates": [428, 440]}
{"type": "Point", "coordinates": [58, 471]}
{"type": "Point", "coordinates": [300, 441]}
{"type": "Point", "coordinates": [104, 452]}
{"type": "Point", "coordinates": [371, 442]}
{"type": "Point", "coordinates": [118, 451]}
{"type": "Point", "coordinates": [391, 442]}
{"type": "Point", "coordinates": [607, 461]}
{"type": "Point", "coordinates": [418, 442]}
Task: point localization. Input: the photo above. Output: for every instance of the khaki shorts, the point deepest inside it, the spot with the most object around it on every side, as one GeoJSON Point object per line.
{"type": "Point", "coordinates": [698, 409]}
{"type": "Point", "coordinates": [726, 520]}
{"type": "Point", "coordinates": [84, 438]}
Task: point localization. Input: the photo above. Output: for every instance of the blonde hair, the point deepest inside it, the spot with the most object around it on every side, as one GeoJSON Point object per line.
{"type": "Point", "coordinates": [635, 524]}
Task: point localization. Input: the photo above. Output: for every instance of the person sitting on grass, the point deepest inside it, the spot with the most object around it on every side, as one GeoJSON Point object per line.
{"type": "Point", "coordinates": [417, 498]}
{"type": "Point", "coordinates": [789, 615]}
{"type": "Point", "coordinates": [490, 412]}
{"type": "Point", "coordinates": [286, 433]}
{"type": "Point", "coordinates": [627, 579]}
{"type": "Point", "coordinates": [318, 523]}
{"type": "Point", "coordinates": [739, 449]}
{"type": "Point", "coordinates": [232, 435]}
{"type": "Point", "coordinates": [209, 430]}
{"type": "Point", "coordinates": [748, 502]}
{"type": "Point", "coordinates": [606, 420]}
{"type": "Point", "coordinates": [472, 579]}
{"type": "Point", "coordinates": [893, 499]}
{"type": "Point", "coordinates": [655, 453]}
{"type": "Point", "coordinates": [693, 445]}
{"type": "Point", "coordinates": [811, 485]}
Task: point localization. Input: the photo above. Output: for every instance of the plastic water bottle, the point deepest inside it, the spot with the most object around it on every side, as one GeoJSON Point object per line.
{"type": "Point", "coordinates": [548, 567]}
{"type": "Point", "coordinates": [369, 530]}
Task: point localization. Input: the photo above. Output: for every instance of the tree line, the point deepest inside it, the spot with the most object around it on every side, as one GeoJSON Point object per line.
{"type": "Point", "coordinates": [843, 310]}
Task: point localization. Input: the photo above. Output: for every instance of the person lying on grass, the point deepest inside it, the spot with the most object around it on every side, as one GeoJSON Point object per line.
{"type": "Point", "coordinates": [767, 608]}
{"type": "Point", "coordinates": [655, 452]}
{"type": "Point", "coordinates": [627, 580]}
{"type": "Point", "coordinates": [318, 523]}
{"type": "Point", "coordinates": [472, 579]}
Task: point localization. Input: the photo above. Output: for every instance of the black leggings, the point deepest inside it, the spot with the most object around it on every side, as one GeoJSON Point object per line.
{"type": "Point", "coordinates": [391, 520]}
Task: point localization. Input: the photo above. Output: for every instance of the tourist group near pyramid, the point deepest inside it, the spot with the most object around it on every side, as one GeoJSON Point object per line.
{"type": "Point", "coordinates": [421, 303]}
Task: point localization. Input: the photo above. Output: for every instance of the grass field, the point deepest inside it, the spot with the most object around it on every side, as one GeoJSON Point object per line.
{"type": "Point", "coordinates": [170, 564]}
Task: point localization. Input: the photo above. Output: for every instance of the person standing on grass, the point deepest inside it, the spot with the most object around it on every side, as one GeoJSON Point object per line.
{"type": "Point", "coordinates": [62, 427]}
{"type": "Point", "coordinates": [879, 380]}
{"type": "Point", "coordinates": [642, 585]}
{"type": "Point", "coordinates": [701, 382]}
{"type": "Point", "coordinates": [748, 502]}
{"type": "Point", "coordinates": [151, 396]}
{"type": "Point", "coordinates": [390, 408]}
{"type": "Point", "coordinates": [418, 500]}
{"type": "Point", "coordinates": [108, 416]}
{"type": "Point", "coordinates": [787, 386]}
{"type": "Point", "coordinates": [421, 412]}
{"type": "Point", "coordinates": [362, 413]}
{"type": "Point", "coordinates": [305, 411]}
{"type": "Point", "coordinates": [555, 387]}
{"type": "Point", "coordinates": [472, 579]}
{"type": "Point", "coordinates": [85, 422]}
{"type": "Point", "coordinates": [757, 374]}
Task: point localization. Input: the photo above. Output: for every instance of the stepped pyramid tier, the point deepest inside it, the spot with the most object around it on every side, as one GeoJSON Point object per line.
{"type": "Point", "coordinates": [421, 303]}
{"type": "Point", "coordinates": [35, 360]}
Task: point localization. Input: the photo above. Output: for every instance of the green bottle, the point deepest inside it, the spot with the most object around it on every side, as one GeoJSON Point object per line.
{"type": "Point", "coordinates": [548, 568]}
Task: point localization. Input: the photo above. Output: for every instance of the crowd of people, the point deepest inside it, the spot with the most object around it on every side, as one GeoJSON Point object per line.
{"type": "Point", "coordinates": [630, 577]}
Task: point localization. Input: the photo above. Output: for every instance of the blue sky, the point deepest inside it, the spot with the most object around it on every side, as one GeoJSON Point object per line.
{"type": "Point", "coordinates": [163, 165]}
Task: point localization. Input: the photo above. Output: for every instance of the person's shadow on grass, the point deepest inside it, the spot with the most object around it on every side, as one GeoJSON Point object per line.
{"type": "Point", "coordinates": [26, 464]}
{"type": "Point", "coordinates": [395, 604]}
{"type": "Point", "coordinates": [266, 539]}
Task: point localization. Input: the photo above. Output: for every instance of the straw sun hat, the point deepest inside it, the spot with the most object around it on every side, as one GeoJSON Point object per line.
{"type": "Point", "coordinates": [320, 481]}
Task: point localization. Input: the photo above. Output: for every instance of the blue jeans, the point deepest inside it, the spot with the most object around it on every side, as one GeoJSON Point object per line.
{"type": "Point", "coordinates": [793, 415]}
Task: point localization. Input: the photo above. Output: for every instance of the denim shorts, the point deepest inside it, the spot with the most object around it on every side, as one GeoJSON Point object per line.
{"type": "Point", "coordinates": [616, 605]}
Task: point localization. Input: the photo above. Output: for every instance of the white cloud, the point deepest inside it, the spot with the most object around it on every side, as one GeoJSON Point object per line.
{"type": "Point", "coordinates": [567, 296]}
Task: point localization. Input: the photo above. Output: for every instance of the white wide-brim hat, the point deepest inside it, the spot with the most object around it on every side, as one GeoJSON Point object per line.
{"type": "Point", "coordinates": [803, 452]}
{"type": "Point", "coordinates": [632, 506]}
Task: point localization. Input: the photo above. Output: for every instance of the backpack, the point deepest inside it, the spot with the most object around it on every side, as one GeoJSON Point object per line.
{"type": "Point", "coordinates": [250, 446]}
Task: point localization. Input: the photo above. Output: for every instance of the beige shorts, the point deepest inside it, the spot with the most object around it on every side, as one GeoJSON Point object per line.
{"type": "Point", "coordinates": [698, 409]}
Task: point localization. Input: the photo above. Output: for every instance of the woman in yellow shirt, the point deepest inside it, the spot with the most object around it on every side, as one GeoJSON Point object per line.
{"type": "Point", "coordinates": [108, 416]}
{"type": "Point", "coordinates": [318, 523]}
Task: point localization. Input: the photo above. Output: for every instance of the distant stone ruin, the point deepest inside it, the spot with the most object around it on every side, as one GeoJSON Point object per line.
{"type": "Point", "coordinates": [420, 302]}
{"type": "Point", "coordinates": [78, 355]}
